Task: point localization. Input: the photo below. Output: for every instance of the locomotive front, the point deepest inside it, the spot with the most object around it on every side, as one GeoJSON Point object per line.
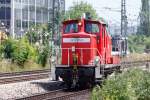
{"type": "Point", "coordinates": [79, 49]}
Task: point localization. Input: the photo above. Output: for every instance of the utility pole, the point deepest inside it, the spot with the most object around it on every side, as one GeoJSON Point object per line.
{"type": "Point", "coordinates": [53, 20]}
{"type": "Point", "coordinates": [124, 26]}
{"type": "Point", "coordinates": [56, 18]}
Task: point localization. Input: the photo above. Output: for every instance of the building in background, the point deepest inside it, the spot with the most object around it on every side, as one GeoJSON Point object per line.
{"type": "Point", "coordinates": [19, 15]}
{"type": "Point", "coordinates": [5, 15]}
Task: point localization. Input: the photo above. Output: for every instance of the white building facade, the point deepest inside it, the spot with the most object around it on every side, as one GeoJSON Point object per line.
{"type": "Point", "coordinates": [19, 15]}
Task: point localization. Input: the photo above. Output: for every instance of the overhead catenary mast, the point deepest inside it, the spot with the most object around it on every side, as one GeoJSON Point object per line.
{"type": "Point", "coordinates": [124, 23]}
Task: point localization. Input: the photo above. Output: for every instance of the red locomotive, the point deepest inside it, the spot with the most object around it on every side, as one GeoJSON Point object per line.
{"type": "Point", "coordinates": [86, 52]}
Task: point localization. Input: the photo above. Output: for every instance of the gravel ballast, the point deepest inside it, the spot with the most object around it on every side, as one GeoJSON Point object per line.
{"type": "Point", "coordinates": [24, 89]}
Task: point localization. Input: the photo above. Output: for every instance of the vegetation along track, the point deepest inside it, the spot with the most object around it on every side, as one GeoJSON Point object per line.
{"type": "Point", "coordinates": [6, 78]}
{"type": "Point", "coordinates": [58, 95]}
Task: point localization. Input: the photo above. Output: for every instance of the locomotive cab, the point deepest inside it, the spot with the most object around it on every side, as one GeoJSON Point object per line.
{"type": "Point", "coordinates": [81, 35]}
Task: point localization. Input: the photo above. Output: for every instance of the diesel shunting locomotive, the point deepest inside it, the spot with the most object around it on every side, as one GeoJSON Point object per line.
{"type": "Point", "coordinates": [86, 49]}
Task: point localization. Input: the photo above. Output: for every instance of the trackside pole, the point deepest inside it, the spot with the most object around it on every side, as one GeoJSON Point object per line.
{"type": "Point", "coordinates": [53, 76]}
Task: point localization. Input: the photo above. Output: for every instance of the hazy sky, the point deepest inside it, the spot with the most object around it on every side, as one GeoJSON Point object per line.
{"type": "Point", "coordinates": [112, 16]}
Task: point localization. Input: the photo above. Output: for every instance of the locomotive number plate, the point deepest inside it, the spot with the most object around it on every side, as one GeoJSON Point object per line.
{"type": "Point", "coordinates": [75, 40]}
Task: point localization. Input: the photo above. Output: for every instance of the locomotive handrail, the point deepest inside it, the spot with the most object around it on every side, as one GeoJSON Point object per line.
{"type": "Point", "coordinates": [81, 50]}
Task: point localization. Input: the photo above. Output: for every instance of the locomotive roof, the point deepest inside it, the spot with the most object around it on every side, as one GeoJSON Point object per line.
{"type": "Point", "coordinates": [76, 20]}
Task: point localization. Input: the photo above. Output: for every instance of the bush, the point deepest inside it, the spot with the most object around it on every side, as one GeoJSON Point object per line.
{"type": "Point", "coordinates": [43, 53]}
{"type": "Point", "coordinates": [138, 43]}
{"type": "Point", "coordinates": [131, 85]}
{"type": "Point", "coordinates": [21, 52]}
{"type": "Point", "coordinates": [8, 48]}
{"type": "Point", "coordinates": [1, 51]}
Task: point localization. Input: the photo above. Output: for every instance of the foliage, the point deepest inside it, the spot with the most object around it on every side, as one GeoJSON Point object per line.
{"type": "Point", "coordinates": [18, 50]}
{"type": "Point", "coordinates": [131, 85]}
{"type": "Point", "coordinates": [9, 46]}
{"type": "Point", "coordinates": [77, 10]}
{"type": "Point", "coordinates": [138, 43]}
{"type": "Point", "coordinates": [43, 55]}
{"type": "Point", "coordinates": [144, 27]}
{"type": "Point", "coordinates": [31, 47]}
{"type": "Point", "coordinates": [38, 33]}
{"type": "Point", "coordinates": [21, 52]}
{"type": "Point", "coordinates": [1, 50]}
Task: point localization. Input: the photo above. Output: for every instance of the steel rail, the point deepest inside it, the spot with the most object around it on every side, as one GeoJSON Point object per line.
{"type": "Point", "coordinates": [42, 96]}
{"type": "Point", "coordinates": [23, 78]}
{"type": "Point", "coordinates": [68, 96]}
{"type": "Point", "coordinates": [56, 95]}
{"type": "Point", "coordinates": [7, 78]}
{"type": "Point", "coordinates": [23, 73]}
{"type": "Point", "coordinates": [61, 95]}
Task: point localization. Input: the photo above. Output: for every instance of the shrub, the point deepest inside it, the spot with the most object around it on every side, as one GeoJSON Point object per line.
{"type": "Point", "coordinates": [43, 53]}
{"type": "Point", "coordinates": [1, 50]}
{"type": "Point", "coordinates": [21, 52]}
{"type": "Point", "coordinates": [8, 48]}
{"type": "Point", "coordinates": [131, 85]}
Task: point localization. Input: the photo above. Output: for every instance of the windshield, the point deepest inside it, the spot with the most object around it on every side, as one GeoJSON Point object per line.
{"type": "Point", "coordinates": [71, 28]}
{"type": "Point", "coordinates": [91, 28]}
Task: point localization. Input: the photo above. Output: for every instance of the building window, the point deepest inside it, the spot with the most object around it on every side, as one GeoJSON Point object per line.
{"type": "Point", "coordinates": [7, 1]}
{"type": "Point", "coordinates": [25, 14]}
{"type": "Point", "coordinates": [8, 13]}
{"type": "Point", "coordinates": [25, 24]}
{"type": "Point", "coordinates": [25, 1]}
{"type": "Point", "coordinates": [17, 14]}
{"type": "Point", "coordinates": [18, 23]}
{"type": "Point", "coordinates": [2, 13]}
{"type": "Point", "coordinates": [32, 2]}
{"type": "Point", "coordinates": [18, 1]}
{"type": "Point", "coordinates": [2, 1]}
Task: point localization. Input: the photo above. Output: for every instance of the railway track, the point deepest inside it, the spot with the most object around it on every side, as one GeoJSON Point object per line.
{"type": "Point", "coordinates": [23, 73]}
{"type": "Point", "coordinates": [61, 95]}
{"type": "Point", "coordinates": [58, 95]}
{"type": "Point", "coordinates": [6, 78]}
{"type": "Point", "coordinates": [136, 64]}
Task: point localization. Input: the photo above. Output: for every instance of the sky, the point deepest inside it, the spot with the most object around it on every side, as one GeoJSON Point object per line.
{"type": "Point", "coordinates": [113, 15]}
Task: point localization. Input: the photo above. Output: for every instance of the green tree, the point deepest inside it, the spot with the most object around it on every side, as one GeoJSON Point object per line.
{"type": "Point", "coordinates": [77, 10]}
{"type": "Point", "coordinates": [39, 33]}
{"type": "Point", "coordinates": [144, 27]}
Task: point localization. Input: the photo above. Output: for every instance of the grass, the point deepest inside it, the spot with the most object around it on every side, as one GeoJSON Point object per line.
{"type": "Point", "coordinates": [8, 66]}
{"type": "Point", "coordinates": [136, 57]}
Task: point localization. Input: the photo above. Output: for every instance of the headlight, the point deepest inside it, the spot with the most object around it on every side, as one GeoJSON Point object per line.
{"type": "Point", "coordinates": [96, 60]}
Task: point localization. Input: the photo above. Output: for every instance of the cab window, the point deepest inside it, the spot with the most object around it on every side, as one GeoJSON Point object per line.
{"type": "Point", "coordinates": [91, 28]}
{"type": "Point", "coordinates": [71, 28]}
